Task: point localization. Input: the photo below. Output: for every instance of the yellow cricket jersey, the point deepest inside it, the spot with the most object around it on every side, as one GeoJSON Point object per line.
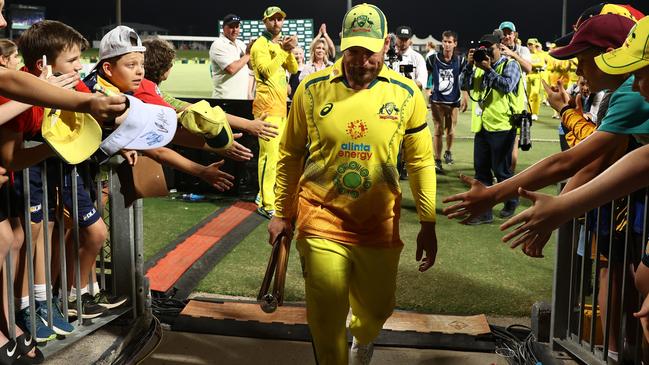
{"type": "Point", "coordinates": [269, 62]}
{"type": "Point", "coordinates": [348, 189]}
{"type": "Point", "coordinates": [538, 63]}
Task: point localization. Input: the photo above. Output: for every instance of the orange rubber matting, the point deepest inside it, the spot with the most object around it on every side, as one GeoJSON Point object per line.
{"type": "Point", "coordinates": [399, 321]}
{"type": "Point", "coordinates": [170, 268]}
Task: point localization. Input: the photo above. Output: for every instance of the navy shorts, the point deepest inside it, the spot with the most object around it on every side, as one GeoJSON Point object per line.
{"type": "Point", "coordinates": [87, 214]}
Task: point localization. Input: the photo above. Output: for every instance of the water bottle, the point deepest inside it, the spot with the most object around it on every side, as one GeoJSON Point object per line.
{"type": "Point", "coordinates": [192, 197]}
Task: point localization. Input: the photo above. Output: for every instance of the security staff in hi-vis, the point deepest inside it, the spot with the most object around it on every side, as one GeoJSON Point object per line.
{"type": "Point", "coordinates": [338, 185]}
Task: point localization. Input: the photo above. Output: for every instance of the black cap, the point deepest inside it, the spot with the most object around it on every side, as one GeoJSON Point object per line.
{"type": "Point", "coordinates": [404, 32]}
{"type": "Point", "coordinates": [489, 39]}
{"type": "Point", "coordinates": [231, 18]}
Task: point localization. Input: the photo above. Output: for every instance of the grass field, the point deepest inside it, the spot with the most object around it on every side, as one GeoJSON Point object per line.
{"type": "Point", "coordinates": [474, 272]}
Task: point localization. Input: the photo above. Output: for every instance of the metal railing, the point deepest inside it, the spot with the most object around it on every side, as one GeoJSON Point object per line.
{"type": "Point", "coordinates": [597, 254]}
{"type": "Point", "coordinates": [119, 265]}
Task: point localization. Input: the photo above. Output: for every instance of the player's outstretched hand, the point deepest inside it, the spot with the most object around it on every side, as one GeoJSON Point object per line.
{"type": "Point", "coordinates": [426, 244]}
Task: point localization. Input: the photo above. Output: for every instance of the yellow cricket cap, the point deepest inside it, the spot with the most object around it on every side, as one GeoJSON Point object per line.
{"type": "Point", "coordinates": [211, 122]}
{"type": "Point", "coordinates": [73, 136]}
{"type": "Point", "coordinates": [272, 10]}
{"type": "Point", "coordinates": [364, 26]}
{"type": "Point", "coordinates": [632, 56]}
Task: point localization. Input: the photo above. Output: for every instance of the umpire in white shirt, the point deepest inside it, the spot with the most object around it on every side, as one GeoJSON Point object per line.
{"type": "Point", "coordinates": [229, 62]}
{"type": "Point", "coordinates": [409, 57]}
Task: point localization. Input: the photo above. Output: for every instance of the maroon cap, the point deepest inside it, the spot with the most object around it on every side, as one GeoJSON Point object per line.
{"type": "Point", "coordinates": [601, 31]}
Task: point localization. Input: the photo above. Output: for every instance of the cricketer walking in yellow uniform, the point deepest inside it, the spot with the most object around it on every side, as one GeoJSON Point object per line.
{"type": "Point", "coordinates": [271, 57]}
{"type": "Point", "coordinates": [337, 180]}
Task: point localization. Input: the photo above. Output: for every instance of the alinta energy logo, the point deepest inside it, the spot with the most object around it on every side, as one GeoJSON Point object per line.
{"type": "Point", "coordinates": [389, 110]}
{"type": "Point", "coordinates": [362, 151]}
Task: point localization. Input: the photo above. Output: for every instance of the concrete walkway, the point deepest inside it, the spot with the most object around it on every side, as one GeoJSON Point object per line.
{"type": "Point", "coordinates": [197, 349]}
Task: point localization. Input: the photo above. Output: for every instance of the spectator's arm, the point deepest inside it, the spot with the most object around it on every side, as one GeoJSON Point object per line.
{"type": "Point", "coordinates": [211, 173]}
{"type": "Point", "coordinates": [11, 109]}
{"type": "Point", "coordinates": [225, 61]}
{"type": "Point", "coordinates": [237, 65]}
{"type": "Point", "coordinates": [27, 88]}
{"type": "Point", "coordinates": [14, 156]}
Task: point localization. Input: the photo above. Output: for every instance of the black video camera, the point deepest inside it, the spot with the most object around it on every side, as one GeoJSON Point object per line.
{"type": "Point", "coordinates": [480, 54]}
{"type": "Point", "coordinates": [406, 70]}
{"type": "Point", "coordinates": [524, 122]}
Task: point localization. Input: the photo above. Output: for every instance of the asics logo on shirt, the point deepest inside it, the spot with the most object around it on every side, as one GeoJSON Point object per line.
{"type": "Point", "coordinates": [326, 109]}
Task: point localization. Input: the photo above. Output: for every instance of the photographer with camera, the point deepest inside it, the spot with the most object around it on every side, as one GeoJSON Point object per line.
{"type": "Point", "coordinates": [496, 89]}
{"type": "Point", "coordinates": [409, 63]}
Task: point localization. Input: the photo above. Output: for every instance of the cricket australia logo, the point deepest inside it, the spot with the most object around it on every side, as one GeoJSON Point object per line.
{"type": "Point", "coordinates": [389, 110]}
{"type": "Point", "coordinates": [356, 129]}
{"type": "Point", "coordinates": [352, 179]}
{"type": "Point", "coordinates": [362, 23]}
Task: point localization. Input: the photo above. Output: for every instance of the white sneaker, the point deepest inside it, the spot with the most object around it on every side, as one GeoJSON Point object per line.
{"type": "Point", "coordinates": [535, 117]}
{"type": "Point", "coordinates": [361, 354]}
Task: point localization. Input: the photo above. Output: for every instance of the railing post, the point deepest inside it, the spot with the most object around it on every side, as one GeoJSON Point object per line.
{"type": "Point", "coordinates": [122, 242]}
{"type": "Point", "coordinates": [561, 307]}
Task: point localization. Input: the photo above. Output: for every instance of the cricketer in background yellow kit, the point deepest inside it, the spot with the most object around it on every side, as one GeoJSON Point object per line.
{"type": "Point", "coordinates": [271, 57]}
{"type": "Point", "coordinates": [337, 180]}
{"type": "Point", "coordinates": [534, 86]}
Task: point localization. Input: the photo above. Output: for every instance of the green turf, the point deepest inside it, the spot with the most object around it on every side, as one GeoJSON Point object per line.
{"type": "Point", "coordinates": [474, 272]}
{"type": "Point", "coordinates": [166, 218]}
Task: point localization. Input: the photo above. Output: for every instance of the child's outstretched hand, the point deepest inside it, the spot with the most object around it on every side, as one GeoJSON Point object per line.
{"type": "Point", "coordinates": [106, 107]}
{"type": "Point", "coordinates": [130, 156]}
{"type": "Point", "coordinates": [222, 181]}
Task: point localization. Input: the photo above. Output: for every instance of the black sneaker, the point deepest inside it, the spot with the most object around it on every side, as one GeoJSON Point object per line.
{"type": "Point", "coordinates": [265, 213]}
{"type": "Point", "coordinates": [90, 309]}
{"type": "Point", "coordinates": [109, 301]}
{"type": "Point", "coordinates": [448, 158]}
{"type": "Point", "coordinates": [508, 210]}
{"type": "Point", "coordinates": [438, 167]}
{"type": "Point", "coordinates": [485, 218]}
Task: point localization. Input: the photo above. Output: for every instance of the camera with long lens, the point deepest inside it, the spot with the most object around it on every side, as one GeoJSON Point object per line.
{"type": "Point", "coordinates": [524, 122]}
{"type": "Point", "coordinates": [392, 54]}
{"type": "Point", "coordinates": [481, 53]}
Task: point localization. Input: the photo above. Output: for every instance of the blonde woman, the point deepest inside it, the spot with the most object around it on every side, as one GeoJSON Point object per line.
{"type": "Point", "coordinates": [318, 59]}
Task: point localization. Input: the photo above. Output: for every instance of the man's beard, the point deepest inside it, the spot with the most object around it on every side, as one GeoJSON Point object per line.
{"type": "Point", "coordinates": [362, 76]}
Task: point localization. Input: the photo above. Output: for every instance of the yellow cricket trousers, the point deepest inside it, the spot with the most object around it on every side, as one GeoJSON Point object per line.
{"type": "Point", "coordinates": [534, 92]}
{"type": "Point", "coordinates": [267, 165]}
{"type": "Point", "coordinates": [337, 276]}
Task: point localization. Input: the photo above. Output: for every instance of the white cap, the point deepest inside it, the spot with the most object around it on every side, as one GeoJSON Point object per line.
{"type": "Point", "coordinates": [119, 41]}
{"type": "Point", "coordinates": [147, 126]}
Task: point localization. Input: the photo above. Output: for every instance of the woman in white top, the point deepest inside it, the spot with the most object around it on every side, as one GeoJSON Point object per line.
{"type": "Point", "coordinates": [318, 60]}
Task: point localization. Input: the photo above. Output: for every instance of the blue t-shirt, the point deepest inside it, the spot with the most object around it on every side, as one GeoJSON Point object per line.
{"type": "Point", "coordinates": [445, 78]}
{"type": "Point", "coordinates": [628, 113]}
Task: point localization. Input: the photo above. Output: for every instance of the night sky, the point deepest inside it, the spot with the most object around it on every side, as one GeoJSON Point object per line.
{"type": "Point", "coordinates": [470, 18]}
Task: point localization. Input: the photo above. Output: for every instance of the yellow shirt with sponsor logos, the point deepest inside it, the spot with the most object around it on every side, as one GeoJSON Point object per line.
{"type": "Point", "coordinates": [270, 63]}
{"type": "Point", "coordinates": [348, 189]}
